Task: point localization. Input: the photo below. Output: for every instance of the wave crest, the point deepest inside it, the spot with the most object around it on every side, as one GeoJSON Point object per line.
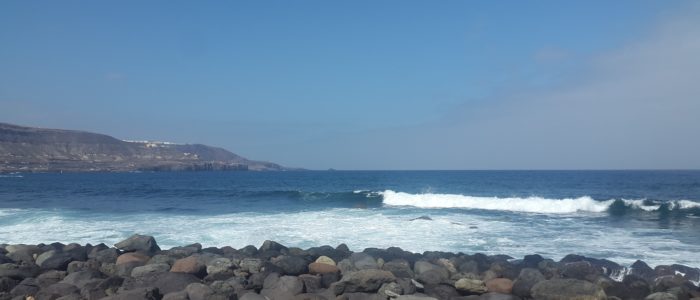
{"type": "Point", "coordinates": [527, 205]}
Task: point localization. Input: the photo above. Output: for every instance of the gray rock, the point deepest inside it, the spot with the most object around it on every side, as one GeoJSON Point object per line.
{"type": "Point", "coordinates": [291, 265]}
{"type": "Point", "coordinates": [581, 270]}
{"type": "Point", "coordinates": [399, 267]}
{"type": "Point", "coordinates": [7, 284]}
{"type": "Point", "coordinates": [57, 290]}
{"type": "Point", "coordinates": [363, 261]}
{"type": "Point", "coordinates": [661, 296]}
{"type": "Point", "coordinates": [369, 280]}
{"type": "Point", "coordinates": [167, 282]}
{"type": "Point", "coordinates": [277, 288]}
{"type": "Point", "coordinates": [251, 265]}
{"type": "Point", "coordinates": [181, 295]}
{"type": "Point", "coordinates": [415, 297]}
{"type": "Point", "coordinates": [81, 278]}
{"type": "Point", "coordinates": [76, 266]}
{"type": "Point", "coordinates": [498, 296]}
{"type": "Point", "coordinates": [148, 293]}
{"type": "Point", "coordinates": [18, 272]}
{"type": "Point", "coordinates": [253, 296]}
{"type": "Point", "coordinates": [429, 273]}
{"type": "Point", "coordinates": [220, 265]}
{"type": "Point", "coordinates": [472, 286]}
{"type": "Point", "coordinates": [50, 277]}
{"type": "Point", "coordinates": [143, 243]}
{"type": "Point", "coordinates": [149, 269]}
{"type": "Point", "coordinates": [54, 260]}
{"type": "Point", "coordinates": [107, 255]}
{"type": "Point", "coordinates": [312, 283]}
{"type": "Point", "coordinates": [25, 287]}
{"type": "Point", "coordinates": [98, 290]}
{"type": "Point", "coordinates": [22, 253]}
{"type": "Point", "coordinates": [346, 266]}
{"type": "Point", "coordinates": [161, 259]}
{"type": "Point", "coordinates": [526, 280]}
{"type": "Point", "coordinates": [198, 291]}
{"type": "Point", "coordinates": [391, 289]}
{"type": "Point", "coordinates": [556, 289]}
{"type": "Point", "coordinates": [272, 246]}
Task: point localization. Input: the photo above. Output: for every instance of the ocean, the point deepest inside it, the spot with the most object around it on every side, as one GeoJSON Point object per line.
{"type": "Point", "coordinates": [618, 215]}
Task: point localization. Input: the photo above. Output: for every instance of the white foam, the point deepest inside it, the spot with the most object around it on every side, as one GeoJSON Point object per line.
{"type": "Point", "coordinates": [530, 204]}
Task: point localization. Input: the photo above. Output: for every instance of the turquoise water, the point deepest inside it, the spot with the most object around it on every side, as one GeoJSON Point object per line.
{"type": "Point", "coordinates": [618, 215]}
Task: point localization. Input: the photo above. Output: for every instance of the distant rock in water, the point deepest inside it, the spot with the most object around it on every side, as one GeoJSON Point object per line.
{"type": "Point", "coordinates": [28, 149]}
{"type": "Point", "coordinates": [422, 218]}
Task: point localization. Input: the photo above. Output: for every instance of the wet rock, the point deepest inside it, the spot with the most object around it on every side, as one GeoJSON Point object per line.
{"type": "Point", "coordinates": [142, 243]}
{"type": "Point", "coordinates": [556, 289]}
{"type": "Point", "coordinates": [500, 285]}
{"type": "Point", "coordinates": [272, 246]}
{"type": "Point", "coordinates": [220, 265]}
{"type": "Point", "coordinates": [107, 255]}
{"type": "Point", "coordinates": [582, 270]}
{"type": "Point", "coordinates": [54, 260]}
{"type": "Point", "coordinates": [369, 280]}
{"type": "Point", "coordinates": [251, 265]}
{"type": "Point", "coordinates": [471, 286]}
{"type": "Point", "coordinates": [7, 284]}
{"type": "Point", "coordinates": [26, 287]}
{"type": "Point", "coordinates": [190, 265]}
{"type": "Point", "coordinates": [527, 278]}
{"type": "Point", "coordinates": [81, 278]}
{"type": "Point", "coordinates": [531, 261]}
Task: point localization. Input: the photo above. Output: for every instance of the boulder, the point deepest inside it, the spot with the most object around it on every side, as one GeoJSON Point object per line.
{"type": "Point", "coordinates": [440, 291]}
{"type": "Point", "coordinates": [321, 268]}
{"type": "Point", "coordinates": [429, 273]}
{"type": "Point", "coordinates": [399, 267]}
{"type": "Point", "coordinates": [141, 243]}
{"type": "Point", "coordinates": [131, 257]}
{"type": "Point", "coordinates": [272, 246]}
{"type": "Point", "coordinates": [581, 270]}
{"type": "Point", "coordinates": [527, 278]}
{"type": "Point", "coordinates": [312, 283]}
{"type": "Point", "coordinates": [27, 286]}
{"type": "Point", "coordinates": [500, 285]}
{"type": "Point", "coordinates": [167, 282]}
{"type": "Point", "coordinates": [7, 284]}
{"type": "Point", "coordinates": [198, 291]}
{"type": "Point", "coordinates": [220, 265]}
{"type": "Point", "coordinates": [251, 265]}
{"type": "Point", "coordinates": [57, 290]}
{"type": "Point", "coordinates": [81, 278]}
{"type": "Point", "coordinates": [277, 288]}
{"type": "Point", "coordinates": [181, 295]}
{"type": "Point", "coordinates": [18, 272]}
{"type": "Point", "coordinates": [76, 266]}
{"type": "Point", "coordinates": [291, 265]}
{"type": "Point", "coordinates": [22, 253]}
{"type": "Point", "coordinates": [497, 296]}
{"type": "Point", "coordinates": [415, 297]}
{"type": "Point", "coordinates": [50, 277]}
{"type": "Point", "coordinates": [252, 296]}
{"type": "Point", "coordinates": [100, 289]}
{"type": "Point", "coordinates": [363, 261]}
{"type": "Point", "coordinates": [107, 255]}
{"type": "Point", "coordinates": [555, 289]}
{"type": "Point", "coordinates": [471, 286]}
{"type": "Point", "coordinates": [661, 296]}
{"type": "Point", "coordinates": [148, 293]}
{"type": "Point", "coordinates": [149, 269]}
{"type": "Point", "coordinates": [54, 260]}
{"type": "Point", "coordinates": [368, 280]}
{"type": "Point", "coordinates": [190, 265]}
{"type": "Point", "coordinates": [391, 289]}
{"type": "Point", "coordinates": [325, 260]}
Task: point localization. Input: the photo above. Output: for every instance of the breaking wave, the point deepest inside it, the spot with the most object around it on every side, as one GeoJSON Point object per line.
{"type": "Point", "coordinates": [529, 204]}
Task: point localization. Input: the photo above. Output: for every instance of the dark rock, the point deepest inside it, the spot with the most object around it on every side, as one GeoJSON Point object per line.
{"type": "Point", "coordinates": [198, 291]}
{"type": "Point", "coordinates": [76, 251]}
{"type": "Point", "coordinates": [125, 269]}
{"type": "Point", "coordinates": [308, 296]}
{"type": "Point", "coordinates": [221, 265]}
{"type": "Point", "coordinates": [406, 285]}
{"type": "Point", "coordinates": [142, 243]}
{"type": "Point", "coordinates": [426, 218]}
{"type": "Point", "coordinates": [369, 280]}
{"type": "Point", "coordinates": [556, 289]}
{"type": "Point", "coordinates": [637, 287]}
{"type": "Point", "coordinates": [149, 269]}
{"type": "Point", "coordinates": [527, 278]}
{"type": "Point", "coordinates": [328, 251]}
{"type": "Point", "coordinates": [167, 282]}
{"type": "Point", "coordinates": [22, 253]}
{"type": "Point", "coordinates": [531, 261]}
{"type": "Point", "coordinates": [248, 251]}
{"type": "Point", "coordinates": [19, 272]}
{"type": "Point", "coordinates": [148, 293]}
{"type": "Point", "coordinates": [661, 296]}
{"type": "Point", "coordinates": [440, 291]}
{"type": "Point", "coordinates": [360, 296]}
{"type": "Point", "coordinates": [81, 278]}
{"type": "Point", "coordinates": [291, 265]}
{"type": "Point", "coordinates": [329, 278]}
{"type": "Point", "coordinates": [276, 287]}
{"type": "Point", "coordinates": [50, 277]}
{"type": "Point", "coordinates": [429, 273]}
{"type": "Point", "coordinates": [92, 253]}
{"type": "Point", "coordinates": [184, 251]}
{"type": "Point", "coordinates": [109, 255]}
{"type": "Point", "coordinates": [76, 266]}
{"type": "Point", "coordinates": [7, 284]}
{"type": "Point", "coordinates": [312, 283]}
{"type": "Point", "coordinates": [181, 295]}
{"type": "Point", "coordinates": [25, 288]}
{"type": "Point", "coordinates": [4, 259]}
{"type": "Point", "coordinates": [100, 289]}
{"type": "Point", "coordinates": [498, 296]}
{"type": "Point", "coordinates": [609, 268]}
{"type": "Point", "coordinates": [252, 296]}
{"type": "Point", "coordinates": [54, 260]}
{"type": "Point", "coordinates": [399, 267]}
{"type": "Point", "coordinates": [550, 269]}
{"type": "Point", "coordinates": [664, 283]}
{"type": "Point", "coordinates": [582, 270]}
{"type": "Point", "coordinates": [57, 290]}
{"type": "Point", "coordinates": [469, 266]}
{"type": "Point", "coordinates": [251, 265]}
{"type": "Point", "coordinates": [504, 269]}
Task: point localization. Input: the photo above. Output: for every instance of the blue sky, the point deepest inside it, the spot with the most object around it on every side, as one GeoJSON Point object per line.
{"type": "Point", "coordinates": [368, 84]}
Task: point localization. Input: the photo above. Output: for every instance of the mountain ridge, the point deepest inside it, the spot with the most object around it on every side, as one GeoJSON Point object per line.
{"type": "Point", "coordinates": [33, 149]}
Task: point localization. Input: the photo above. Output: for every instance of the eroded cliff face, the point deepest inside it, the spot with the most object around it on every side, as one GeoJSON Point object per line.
{"type": "Point", "coordinates": [28, 149]}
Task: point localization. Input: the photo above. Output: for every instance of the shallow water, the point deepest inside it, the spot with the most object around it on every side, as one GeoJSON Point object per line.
{"type": "Point", "coordinates": [618, 215]}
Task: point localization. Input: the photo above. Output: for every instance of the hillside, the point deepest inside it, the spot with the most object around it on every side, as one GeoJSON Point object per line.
{"type": "Point", "coordinates": [28, 149]}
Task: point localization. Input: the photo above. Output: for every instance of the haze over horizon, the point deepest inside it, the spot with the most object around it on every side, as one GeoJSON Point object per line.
{"type": "Point", "coordinates": [368, 85]}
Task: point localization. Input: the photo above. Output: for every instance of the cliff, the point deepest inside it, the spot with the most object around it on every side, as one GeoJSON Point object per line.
{"type": "Point", "coordinates": [28, 149]}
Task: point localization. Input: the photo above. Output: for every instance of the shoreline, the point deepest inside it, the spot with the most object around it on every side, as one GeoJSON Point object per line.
{"type": "Point", "coordinates": [137, 268]}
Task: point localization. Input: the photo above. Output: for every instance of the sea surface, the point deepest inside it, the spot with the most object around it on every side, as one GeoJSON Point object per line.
{"type": "Point", "coordinates": [618, 215]}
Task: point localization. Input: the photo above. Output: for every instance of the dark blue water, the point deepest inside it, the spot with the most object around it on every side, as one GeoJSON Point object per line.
{"type": "Point", "coordinates": [620, 215]}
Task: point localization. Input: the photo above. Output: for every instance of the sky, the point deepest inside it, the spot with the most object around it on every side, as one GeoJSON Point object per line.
{"type": "Point", "coordinates": [366, 85]}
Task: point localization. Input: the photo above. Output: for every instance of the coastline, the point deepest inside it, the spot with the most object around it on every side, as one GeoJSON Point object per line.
{"type": "Point", "coordinates": [137, 268]}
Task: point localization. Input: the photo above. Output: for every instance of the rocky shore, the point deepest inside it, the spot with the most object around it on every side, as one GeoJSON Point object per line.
{"type": "Point", "coordinates": [137, 268]}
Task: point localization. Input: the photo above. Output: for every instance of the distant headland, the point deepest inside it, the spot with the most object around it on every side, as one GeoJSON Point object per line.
{"type": "Point", "coordinates": [29, 149]}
